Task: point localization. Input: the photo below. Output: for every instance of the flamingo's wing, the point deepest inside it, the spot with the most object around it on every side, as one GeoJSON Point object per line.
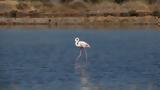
{"type": "Point", "coordinates": [84, 44]}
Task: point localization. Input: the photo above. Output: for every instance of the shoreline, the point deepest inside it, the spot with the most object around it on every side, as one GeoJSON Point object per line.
{"type": "Point", "coordinates": [91, 20]}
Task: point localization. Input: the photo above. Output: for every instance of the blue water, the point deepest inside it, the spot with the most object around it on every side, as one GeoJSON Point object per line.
{"type": "Point", "coordinates": [44, 59]}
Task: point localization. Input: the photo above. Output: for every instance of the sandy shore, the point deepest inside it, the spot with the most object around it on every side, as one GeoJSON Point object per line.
{"type": "Point", "coordinates": [92, 20]}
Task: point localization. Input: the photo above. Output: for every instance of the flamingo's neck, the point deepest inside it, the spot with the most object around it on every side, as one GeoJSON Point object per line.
{"type": "Point", "coordinates": [76, 43]}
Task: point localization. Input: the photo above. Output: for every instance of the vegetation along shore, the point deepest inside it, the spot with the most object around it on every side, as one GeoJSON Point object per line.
{"type": "Point", "coordinates": [79, 12]}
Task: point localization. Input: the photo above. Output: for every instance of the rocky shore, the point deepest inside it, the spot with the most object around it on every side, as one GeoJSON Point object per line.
{"type": "Point", "coordinates": [79, 12]}
{"type": "Point", "coordinates": [92, 20]}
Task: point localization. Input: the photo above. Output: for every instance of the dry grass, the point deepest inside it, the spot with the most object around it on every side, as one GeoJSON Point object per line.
{"type": "Point", "coordinates": [78, 7]}
{"type": "Point", "coordinates": [105, 7]}
{"type": "Point", "coordinates": [8, 5]}
{"type": "Point", "coordinates": [135, 5]}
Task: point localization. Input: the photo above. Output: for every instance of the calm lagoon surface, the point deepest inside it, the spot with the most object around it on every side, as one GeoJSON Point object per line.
{"type": "Point", "coordinates": [44, 59]}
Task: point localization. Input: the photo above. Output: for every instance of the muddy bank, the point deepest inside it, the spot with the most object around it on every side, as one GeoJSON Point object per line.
{"type": "Point", "coordinates": [95, 20]}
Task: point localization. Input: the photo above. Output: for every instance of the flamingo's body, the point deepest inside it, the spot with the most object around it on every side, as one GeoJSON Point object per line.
{"type": "Point", "coordinates": [82, 45]}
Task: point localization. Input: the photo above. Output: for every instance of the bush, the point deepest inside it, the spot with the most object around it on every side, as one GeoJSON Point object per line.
{"type": "Point", "coordinates": [123, 14]}
{"type": "Point", "coordinates": [129, 13]}
{"type": "Point", "coordinates": [156, 13]}
{"type": "Point", "coordinates": [152, 1]}
{"type": "Point", "coordinates": [77, 5]}
{"type": "Point", "coordinates": [46, 3]}
{"type": "Point", "coordinates": [22, 6]}
{"type": "Point", "coordinates": [120, 1]}
{"type": "Point", "coordinates": [93, 1]}
{"type": "Point", "coordinates": [66, 1]}
{"type": "Point", "coordinates": [13, 13]}
{"type": "Point", "coordinates": [34, 14]}
{"type": "Point", "coordinates": [132, 13]}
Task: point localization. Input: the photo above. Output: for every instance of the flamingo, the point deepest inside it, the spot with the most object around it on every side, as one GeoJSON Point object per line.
{"type": "Point", "coordinates": [82, 45]}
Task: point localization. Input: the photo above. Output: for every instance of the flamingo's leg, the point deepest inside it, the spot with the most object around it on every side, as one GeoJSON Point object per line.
{"type": "Point", "coordinates": [77, 65]}
{"type": "Point", "coordinates": [80, 53]}
{"type": "Point", "coordinates": [86, 56]}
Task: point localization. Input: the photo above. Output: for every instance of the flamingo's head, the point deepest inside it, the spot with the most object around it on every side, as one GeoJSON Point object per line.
{"type": "Point", "coordinates": [76, 39]}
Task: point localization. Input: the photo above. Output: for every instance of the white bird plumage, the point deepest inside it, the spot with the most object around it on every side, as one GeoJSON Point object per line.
{"type": "Point", "coordinates": [81, 44]}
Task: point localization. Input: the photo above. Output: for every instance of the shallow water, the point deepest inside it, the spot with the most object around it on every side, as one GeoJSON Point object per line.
{"type": "Point", "coordinates": [44, 59]}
